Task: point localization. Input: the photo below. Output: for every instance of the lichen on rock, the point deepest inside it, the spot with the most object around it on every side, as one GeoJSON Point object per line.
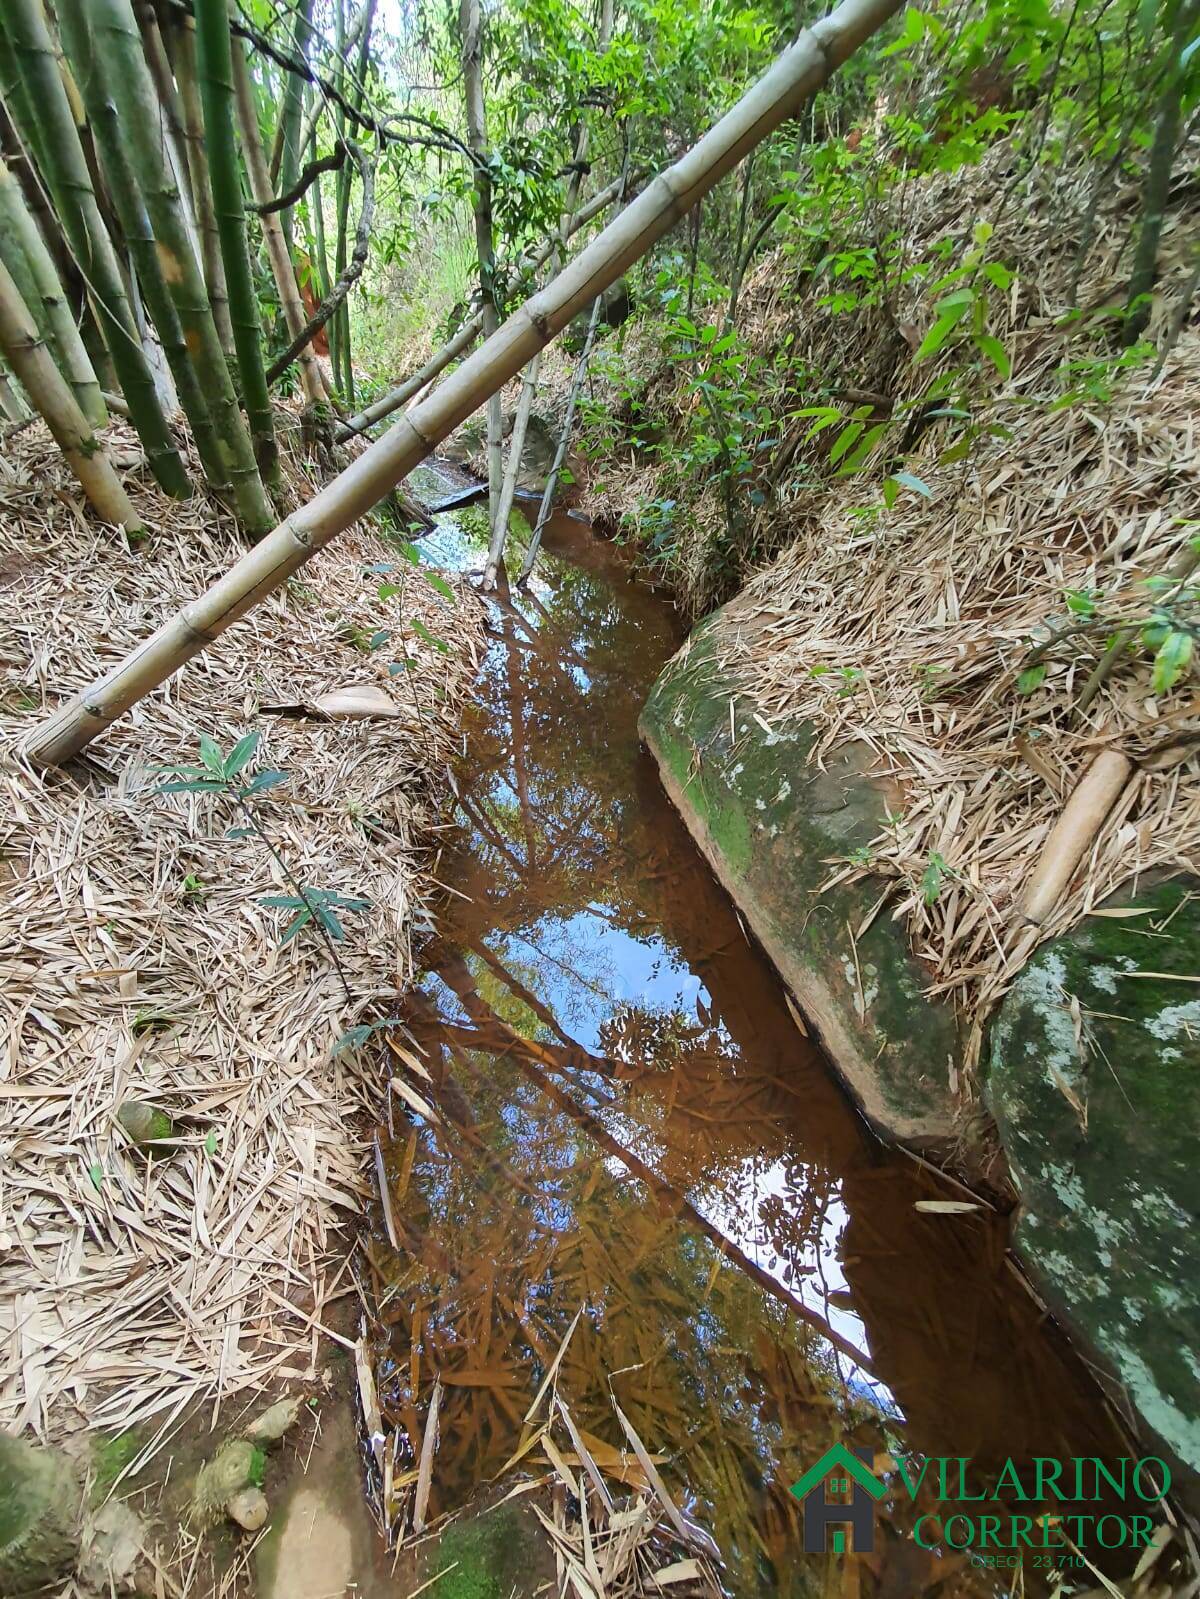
{"type": "Point", "coordinates": [1094, 1081]}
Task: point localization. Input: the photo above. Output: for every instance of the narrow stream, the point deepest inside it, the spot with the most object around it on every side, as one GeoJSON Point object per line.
{"type": "Point", "coordinates": [632, 1120]}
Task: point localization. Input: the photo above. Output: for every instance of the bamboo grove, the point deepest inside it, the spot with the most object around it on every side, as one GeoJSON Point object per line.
{"type": "Point", "coordinates": [154, 157]}
{"type": "Point", "coordinates": [145, 179]}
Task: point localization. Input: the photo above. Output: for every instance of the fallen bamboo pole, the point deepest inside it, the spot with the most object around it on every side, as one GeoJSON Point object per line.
{"type": "Point", "coordinates": [470, 330]}
{"type": "Point", "coordinates": [777, 96]}
{"type": "Point", "coordinates": [1073, 834]}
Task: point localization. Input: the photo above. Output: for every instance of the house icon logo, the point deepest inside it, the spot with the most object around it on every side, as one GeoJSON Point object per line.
{"type": "Point", "coordinates": [841, 1471]}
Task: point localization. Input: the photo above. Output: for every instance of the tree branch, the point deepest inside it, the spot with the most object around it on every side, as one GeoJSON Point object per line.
{"type": "Point", "coordinates": [438, 138]}
{"type": "Point", "coordinates": [354, 269]}
{"type": "Point", "coordinates": [309, 175]}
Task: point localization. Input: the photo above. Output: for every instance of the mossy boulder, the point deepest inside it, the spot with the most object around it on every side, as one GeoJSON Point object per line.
{"type": "Point", "coordinates": [41, 1498]}
{"type": "Point", "coordinates": [237, 1464]}
{"type": "Point", "coordinates": [770, 820]}
{"type": "Point", "coordinates": [1094, 1081]}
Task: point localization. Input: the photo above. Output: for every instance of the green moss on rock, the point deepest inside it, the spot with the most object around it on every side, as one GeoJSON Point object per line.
{"type": "Point", "coordinates": [486, 1557]}
{"type": "Point", "coordinates": [40, 1502]}
{"type": "Point", "coordinates": [1094, 1081]}
{"type": "Point", "coordinates": [770, 821]}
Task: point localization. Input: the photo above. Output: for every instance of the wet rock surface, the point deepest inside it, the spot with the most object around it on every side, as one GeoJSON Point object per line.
{"type": "Point", "coordinates": [1094, 1081]}
{"type": "Point", "coordinates": [770, 821]}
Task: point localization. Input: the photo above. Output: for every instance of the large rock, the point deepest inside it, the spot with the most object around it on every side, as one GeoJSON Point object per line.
{"type": "Point", "coordinates": [770, 821]}
{"type": "Point", "coordinates": [40, 1503]}
{"type": "Point", "coordinates": [1094, 1081]}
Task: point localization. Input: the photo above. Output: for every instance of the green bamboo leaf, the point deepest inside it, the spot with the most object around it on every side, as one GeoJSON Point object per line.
{"type": "Point", "coordinates": [948, 320]}
{"type": "Point", "coordinates": [995, 352]}
{"type": "Point", "coordinates": [1032, 677]}
{"type": "Point", "coordinates": [863, 448]}
{"type": "Point", "coordinates": [1171, 662]}
{"type": "Point", "coordinates": [844, 440]}
{"type": "Point", "coordinates": [423, 632]}
{"type": "Point", "coordinates": [241, 754]}
{"type": "Point", "coordinates": [210, 754]}
{"type": "Point", "coordinates": [300, 920]}
{"type": "Point", "coordinates": [933, 879]}
{"type": "Point", "coordinates": [261, 781]}
{"type": "Point", "coordinates": [439, 584]}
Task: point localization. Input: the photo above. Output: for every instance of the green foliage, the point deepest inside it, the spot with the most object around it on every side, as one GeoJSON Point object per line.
{"type": "Point", "coordinates": [225, 775]}
{"type": "Point", "coordinates": [313, 904]}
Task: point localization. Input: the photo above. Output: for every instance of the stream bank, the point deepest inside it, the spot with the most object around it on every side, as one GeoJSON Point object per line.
{"type": "Point", "coordinates": [1092, 1058]}
{"type": "Point", "coordinates": [634, 1168]}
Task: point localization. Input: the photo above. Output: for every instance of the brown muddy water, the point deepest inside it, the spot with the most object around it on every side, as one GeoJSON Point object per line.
{"type": "Point", "coordinates": [632, 1121]}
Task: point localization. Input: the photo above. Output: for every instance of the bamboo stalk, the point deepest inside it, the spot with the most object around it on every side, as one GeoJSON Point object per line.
{"type": "Point", "coordinates": [292, 110]}
{"type": "Point", "coordinates": [12, 406]}
{"type": "Point", "coordinates": [195, 144]}
{"type": "Point", "coordinates": [170, 112]}
{"type": "Point", "coordinates": [31, 361]}
{"type": "Point", "coordinates": [508, 488]}
{"type": "Point", "coordinates": [349, 276]}
{"type": "Point", "coordinates": [470, 23]}
{"type": "Point", "coordinates": [529, 386]}
{"type": "Point", "coordinates": [20, 230]}
{"type": "Point", "coordinates": [261, 192]}
{"type": "Point", "coordinates": [777, 96]}
{"type": "Point", "coordinates": [55, 139]}
{"type": "Point", "coordinates": [470, 330]}
{"type": "Point", "coordinates": [564, 439]}
{"type": "Point", "coordinates": [342, 188]}
{"type": "Point", "coordinates": [211, 48]}
{"type": "Point", "coordinates": [1072, 835]}
{"type": "Point", "coordinates": [106, 47]}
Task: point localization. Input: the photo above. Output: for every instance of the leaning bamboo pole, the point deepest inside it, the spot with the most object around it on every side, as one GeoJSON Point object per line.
{"type": "Point", "coordinates": [25, 351]}
{"type": "Point", "coordinates": [311, 381]}
{"type": "Point", "coordinates": [21, 231]}
{"type": "Point", "coordinates": [777, 96]}
{"type": "Point", "coordinates": [471, 329]}
{"type": "Point", "coordinates": [54, 137]}
{"type": "Point", "coordinates": [209, 53]}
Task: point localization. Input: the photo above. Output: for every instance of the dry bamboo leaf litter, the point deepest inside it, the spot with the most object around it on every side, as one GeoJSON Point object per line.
{"type": "Point", "coordinates": [139, 965]}
{"type": "Point", "coordinates": [909, 633]}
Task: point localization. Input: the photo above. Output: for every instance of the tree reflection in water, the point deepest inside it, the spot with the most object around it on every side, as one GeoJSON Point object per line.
{"type": "Point", "coordinates": [631, 1121]}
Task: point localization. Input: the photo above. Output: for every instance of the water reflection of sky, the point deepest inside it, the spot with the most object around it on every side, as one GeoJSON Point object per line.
{"type": "Point", "coordinates": [586, 966]}
{"type": "Point", "coordinates": [591, 921]}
